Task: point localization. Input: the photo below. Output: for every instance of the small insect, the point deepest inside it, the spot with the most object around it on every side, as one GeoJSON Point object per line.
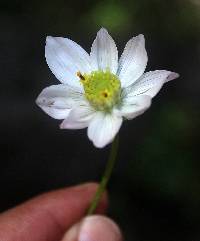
{"type": "Point", "coordinates": [80, 75]}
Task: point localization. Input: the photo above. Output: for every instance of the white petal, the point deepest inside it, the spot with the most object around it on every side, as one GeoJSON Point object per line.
{"type": "Point", "coordinates": [133, 61]}
{"type": "Point", "coordinates": [172, 76]}
{"type": "Point", "coordinates": [134, 106]}
{"type": "Point", "coordinates": [57, 100]}
{"type": "Point", "coordinates": [78, 118]}
{"type": "Point", "coordinates": [151, 82]}
{"type": "Point", "coordinates": [65, 58]}
{"type": "Point", "coordinates": [103, 128]}
{"type": "Point", "coordinates": [104, 53]}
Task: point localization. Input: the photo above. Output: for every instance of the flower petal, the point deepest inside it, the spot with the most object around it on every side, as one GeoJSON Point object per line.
{"type": "Point", "coordinates": [134, 106]}
{"type": "Point", "coordinates": [57, 100]}
{"type": "Point", "coordinates": [133, 61]}
{"type": "Point", "coordinates": [151, 82]}
{"type": "Point", "coordinates": [65, 58]}
{"type": "Point", "coordinates": [104, 54]}
{"type": "Point", "coordinates": [79, 117]}
{"type": "Point", "coordinates": [103, 128]}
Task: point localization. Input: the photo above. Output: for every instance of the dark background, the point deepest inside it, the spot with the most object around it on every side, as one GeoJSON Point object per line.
{"type": "Point", "coordinates": [155, 187]}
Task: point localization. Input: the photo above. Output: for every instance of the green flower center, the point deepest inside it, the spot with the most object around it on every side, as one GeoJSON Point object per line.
{"type": "Point", "coordinates": [102, 89]}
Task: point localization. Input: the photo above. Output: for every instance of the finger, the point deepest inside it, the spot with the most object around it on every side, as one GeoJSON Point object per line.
{"type": "Point", "coordinates": [47, 217]}
{"type": "Point", "coordinates": [96, 227]}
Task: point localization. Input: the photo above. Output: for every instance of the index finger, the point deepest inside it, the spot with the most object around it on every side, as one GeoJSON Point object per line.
{"type": "Point", "coordinates": [47, 217]}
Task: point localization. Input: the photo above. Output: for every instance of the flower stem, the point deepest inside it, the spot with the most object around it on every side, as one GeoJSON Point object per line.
{"type": "Point", "coordinates": [105, 177]}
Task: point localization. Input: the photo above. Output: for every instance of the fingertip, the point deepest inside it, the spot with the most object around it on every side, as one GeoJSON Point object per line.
{"type": "Point", "coordinates": [51, 214]}
{"type": "Point", "coordinates": [95, 227]}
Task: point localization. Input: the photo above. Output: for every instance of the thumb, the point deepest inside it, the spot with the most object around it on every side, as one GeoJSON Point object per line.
{"type": "Point", "coordinates": [96, 227]}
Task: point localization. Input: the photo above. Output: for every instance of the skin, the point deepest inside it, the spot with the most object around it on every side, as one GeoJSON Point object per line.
{"type": "Point", "coordinates": [58, 215]}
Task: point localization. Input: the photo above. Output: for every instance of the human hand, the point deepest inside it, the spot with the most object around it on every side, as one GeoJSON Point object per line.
{"type": "Point", "coordinates": [59, 216]}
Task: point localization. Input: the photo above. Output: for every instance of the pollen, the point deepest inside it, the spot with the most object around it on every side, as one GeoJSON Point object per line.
{"type": "Point", "coordinates": [102, 89]}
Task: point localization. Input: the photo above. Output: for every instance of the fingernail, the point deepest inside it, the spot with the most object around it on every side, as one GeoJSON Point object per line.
{"type": "Point", "coordinates": [94, 228]}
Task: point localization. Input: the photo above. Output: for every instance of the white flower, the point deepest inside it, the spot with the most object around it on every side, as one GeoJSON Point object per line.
{"type": "Point", "coordinates": [98, 91]}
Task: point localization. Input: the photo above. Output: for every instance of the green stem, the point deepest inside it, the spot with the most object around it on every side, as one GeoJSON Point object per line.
{"type": "Point", "coordinates": [105, 177]}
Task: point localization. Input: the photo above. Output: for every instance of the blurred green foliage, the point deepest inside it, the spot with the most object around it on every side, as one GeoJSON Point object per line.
{"type": "Point", "coordinates": [110, 15]}
{"type": "Point", "coordinates": [166, 159]}
{"type": "Point", "coordinates": [174, 19]}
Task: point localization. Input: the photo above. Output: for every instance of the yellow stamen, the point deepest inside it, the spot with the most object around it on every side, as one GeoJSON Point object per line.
{"type": "Point", "coordinates": [102, 89]}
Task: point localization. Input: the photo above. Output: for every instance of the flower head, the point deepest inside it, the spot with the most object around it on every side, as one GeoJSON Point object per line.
{"type": "Point", "coordinates": [97, 91]}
